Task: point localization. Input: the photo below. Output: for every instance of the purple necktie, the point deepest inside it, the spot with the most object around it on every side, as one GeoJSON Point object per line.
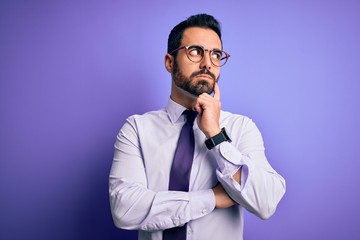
{"type": "Point", "coordinates": [181, 168]}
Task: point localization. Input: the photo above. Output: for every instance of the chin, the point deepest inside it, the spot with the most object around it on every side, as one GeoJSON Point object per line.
{"type": "Point", "coordinates": [199, 91]}
{"type": "Point", "coordinates": [204, 86]}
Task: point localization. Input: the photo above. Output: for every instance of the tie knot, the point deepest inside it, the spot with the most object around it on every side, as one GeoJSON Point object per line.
{"type": "Point", "coordinates": [190, 116]}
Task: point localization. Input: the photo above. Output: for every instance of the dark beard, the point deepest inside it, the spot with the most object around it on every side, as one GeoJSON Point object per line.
{"type": "Point", "coordinates": [189, 85]}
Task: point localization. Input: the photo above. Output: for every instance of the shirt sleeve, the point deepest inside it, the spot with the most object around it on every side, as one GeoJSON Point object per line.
{"type": "Point", "coordinates": [261, 186]}
{"type": "Point", "coordinates": [133, 205]}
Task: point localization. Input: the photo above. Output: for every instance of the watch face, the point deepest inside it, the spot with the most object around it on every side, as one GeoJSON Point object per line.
{"type": "Point", "coordinates": [217, 139]}
{"type": "Point", "coordinates": [210, 143]}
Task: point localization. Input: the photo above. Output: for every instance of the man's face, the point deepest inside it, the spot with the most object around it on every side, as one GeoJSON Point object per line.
{"type": "Point", "coordinates": [200, 77]}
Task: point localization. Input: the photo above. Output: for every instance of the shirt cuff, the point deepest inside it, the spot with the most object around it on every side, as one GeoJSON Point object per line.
{"type": "Point", "coordinates": [229, 161]}
{"type": "Point", "coordinates": [201, 203]}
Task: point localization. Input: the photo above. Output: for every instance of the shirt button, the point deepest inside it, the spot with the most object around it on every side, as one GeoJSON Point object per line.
{"type": "Point", "coordinates": [189, 232]}
{"type": "Point", "coordinates": [175, 221]}
{"type": "Point", "coordinates": [204, 211]}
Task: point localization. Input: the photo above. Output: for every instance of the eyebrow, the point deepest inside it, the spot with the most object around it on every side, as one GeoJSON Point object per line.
{"type": "Point", "coordinates": [219, 49]}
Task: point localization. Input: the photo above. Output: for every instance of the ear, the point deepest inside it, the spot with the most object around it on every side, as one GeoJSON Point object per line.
{"type": "Point", "coordinates": [169, 62]}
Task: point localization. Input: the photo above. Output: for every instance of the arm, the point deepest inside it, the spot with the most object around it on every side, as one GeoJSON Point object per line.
{"type": "Point", "coordinates": [243, 171]}
{"type": "Point", "coordinates": [222, 199]}
{"type": "Point", "coordinates": [133, 205]}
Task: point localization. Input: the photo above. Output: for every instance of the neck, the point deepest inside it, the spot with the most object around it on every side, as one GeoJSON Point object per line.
{"type": "Point", "coordinates": [182, 97]}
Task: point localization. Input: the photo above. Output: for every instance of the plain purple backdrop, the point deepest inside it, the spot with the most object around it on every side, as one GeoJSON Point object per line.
{"type": "Point", "coordinates": [72, 71]}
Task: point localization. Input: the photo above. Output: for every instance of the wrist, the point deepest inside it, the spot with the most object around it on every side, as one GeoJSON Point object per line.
{"type": "Point", "coordinates": [213, 132]}
{"type": "Point", "coordinates": [217, 139]}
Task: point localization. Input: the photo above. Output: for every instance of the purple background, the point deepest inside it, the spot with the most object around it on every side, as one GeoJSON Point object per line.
{"type": "Point", "coordinates": [72, 71]}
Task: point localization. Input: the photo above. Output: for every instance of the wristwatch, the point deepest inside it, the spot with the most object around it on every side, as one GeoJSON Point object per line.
{"type": "Point", "coordinates": [217, 139]}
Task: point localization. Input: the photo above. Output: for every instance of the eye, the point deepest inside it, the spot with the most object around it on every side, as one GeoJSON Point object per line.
{"type": "Point", "coordinates": [195, 51]}
{"type": "Point", "coordinates": [216, 54]}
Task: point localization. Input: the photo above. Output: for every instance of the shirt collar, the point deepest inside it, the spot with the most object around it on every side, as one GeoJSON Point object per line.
{"type": "Point", "coordinates": [174, 111]}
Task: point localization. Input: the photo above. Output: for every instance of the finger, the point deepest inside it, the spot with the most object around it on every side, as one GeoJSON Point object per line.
{"type": "Point", "coordinates": [203, 101]}
{"type": "Point", "coordinates": [205, 97]}
{"type": "Point", "coordinates": [197, 107]}
{"type": "Point", "coordinates": [216, 92]}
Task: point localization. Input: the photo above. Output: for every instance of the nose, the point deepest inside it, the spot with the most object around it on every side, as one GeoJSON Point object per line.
{"type": "Point", "coordinates": [206, 62]}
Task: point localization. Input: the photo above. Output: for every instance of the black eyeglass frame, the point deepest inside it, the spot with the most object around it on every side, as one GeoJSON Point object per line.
{"type": "Point", "coordinates": [226, 57]}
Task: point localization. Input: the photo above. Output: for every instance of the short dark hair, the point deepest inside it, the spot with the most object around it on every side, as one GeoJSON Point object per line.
{"type": "Point", "coordinates": [198, 20]}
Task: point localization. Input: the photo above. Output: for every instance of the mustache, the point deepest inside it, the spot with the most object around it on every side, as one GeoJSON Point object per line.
{"type": "Point", "coordinates": [203, 71]}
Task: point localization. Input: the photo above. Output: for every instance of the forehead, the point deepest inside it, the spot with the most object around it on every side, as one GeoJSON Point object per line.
{"type": "Point", "coordinates": [201, 36]}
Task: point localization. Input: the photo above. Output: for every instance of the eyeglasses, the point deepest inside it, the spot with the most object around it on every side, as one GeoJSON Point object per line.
{"type": "Point", "coordinates": [195, 53]}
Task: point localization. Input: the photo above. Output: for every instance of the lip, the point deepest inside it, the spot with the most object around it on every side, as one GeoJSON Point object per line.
{"type": "Point", "coordinates": [205, 76]}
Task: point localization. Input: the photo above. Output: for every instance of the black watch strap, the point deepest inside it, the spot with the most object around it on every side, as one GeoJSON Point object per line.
{"type": "Point", "coordinates": [217, 139]}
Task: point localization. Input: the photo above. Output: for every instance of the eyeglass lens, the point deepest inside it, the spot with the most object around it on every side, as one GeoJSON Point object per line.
{"type": "Point", "coordinates": [196, 54]}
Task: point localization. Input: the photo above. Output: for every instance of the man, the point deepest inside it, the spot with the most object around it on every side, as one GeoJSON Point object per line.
{"type": "Point", "coordinates": [229, 170]}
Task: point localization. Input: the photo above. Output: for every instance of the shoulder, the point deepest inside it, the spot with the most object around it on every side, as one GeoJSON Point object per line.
{"type": "Point", "coordinates": [228, 117]}
{"type": "Point", "coordinates": [149, 118]}
{"type": "Point", "coordinates": [155, 114]}
{"type": "Point", "coordinates": [237, 122]}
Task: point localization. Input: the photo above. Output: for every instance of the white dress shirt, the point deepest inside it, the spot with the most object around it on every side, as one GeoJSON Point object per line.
{"type": "Point", "coordinates": [139, 177]}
